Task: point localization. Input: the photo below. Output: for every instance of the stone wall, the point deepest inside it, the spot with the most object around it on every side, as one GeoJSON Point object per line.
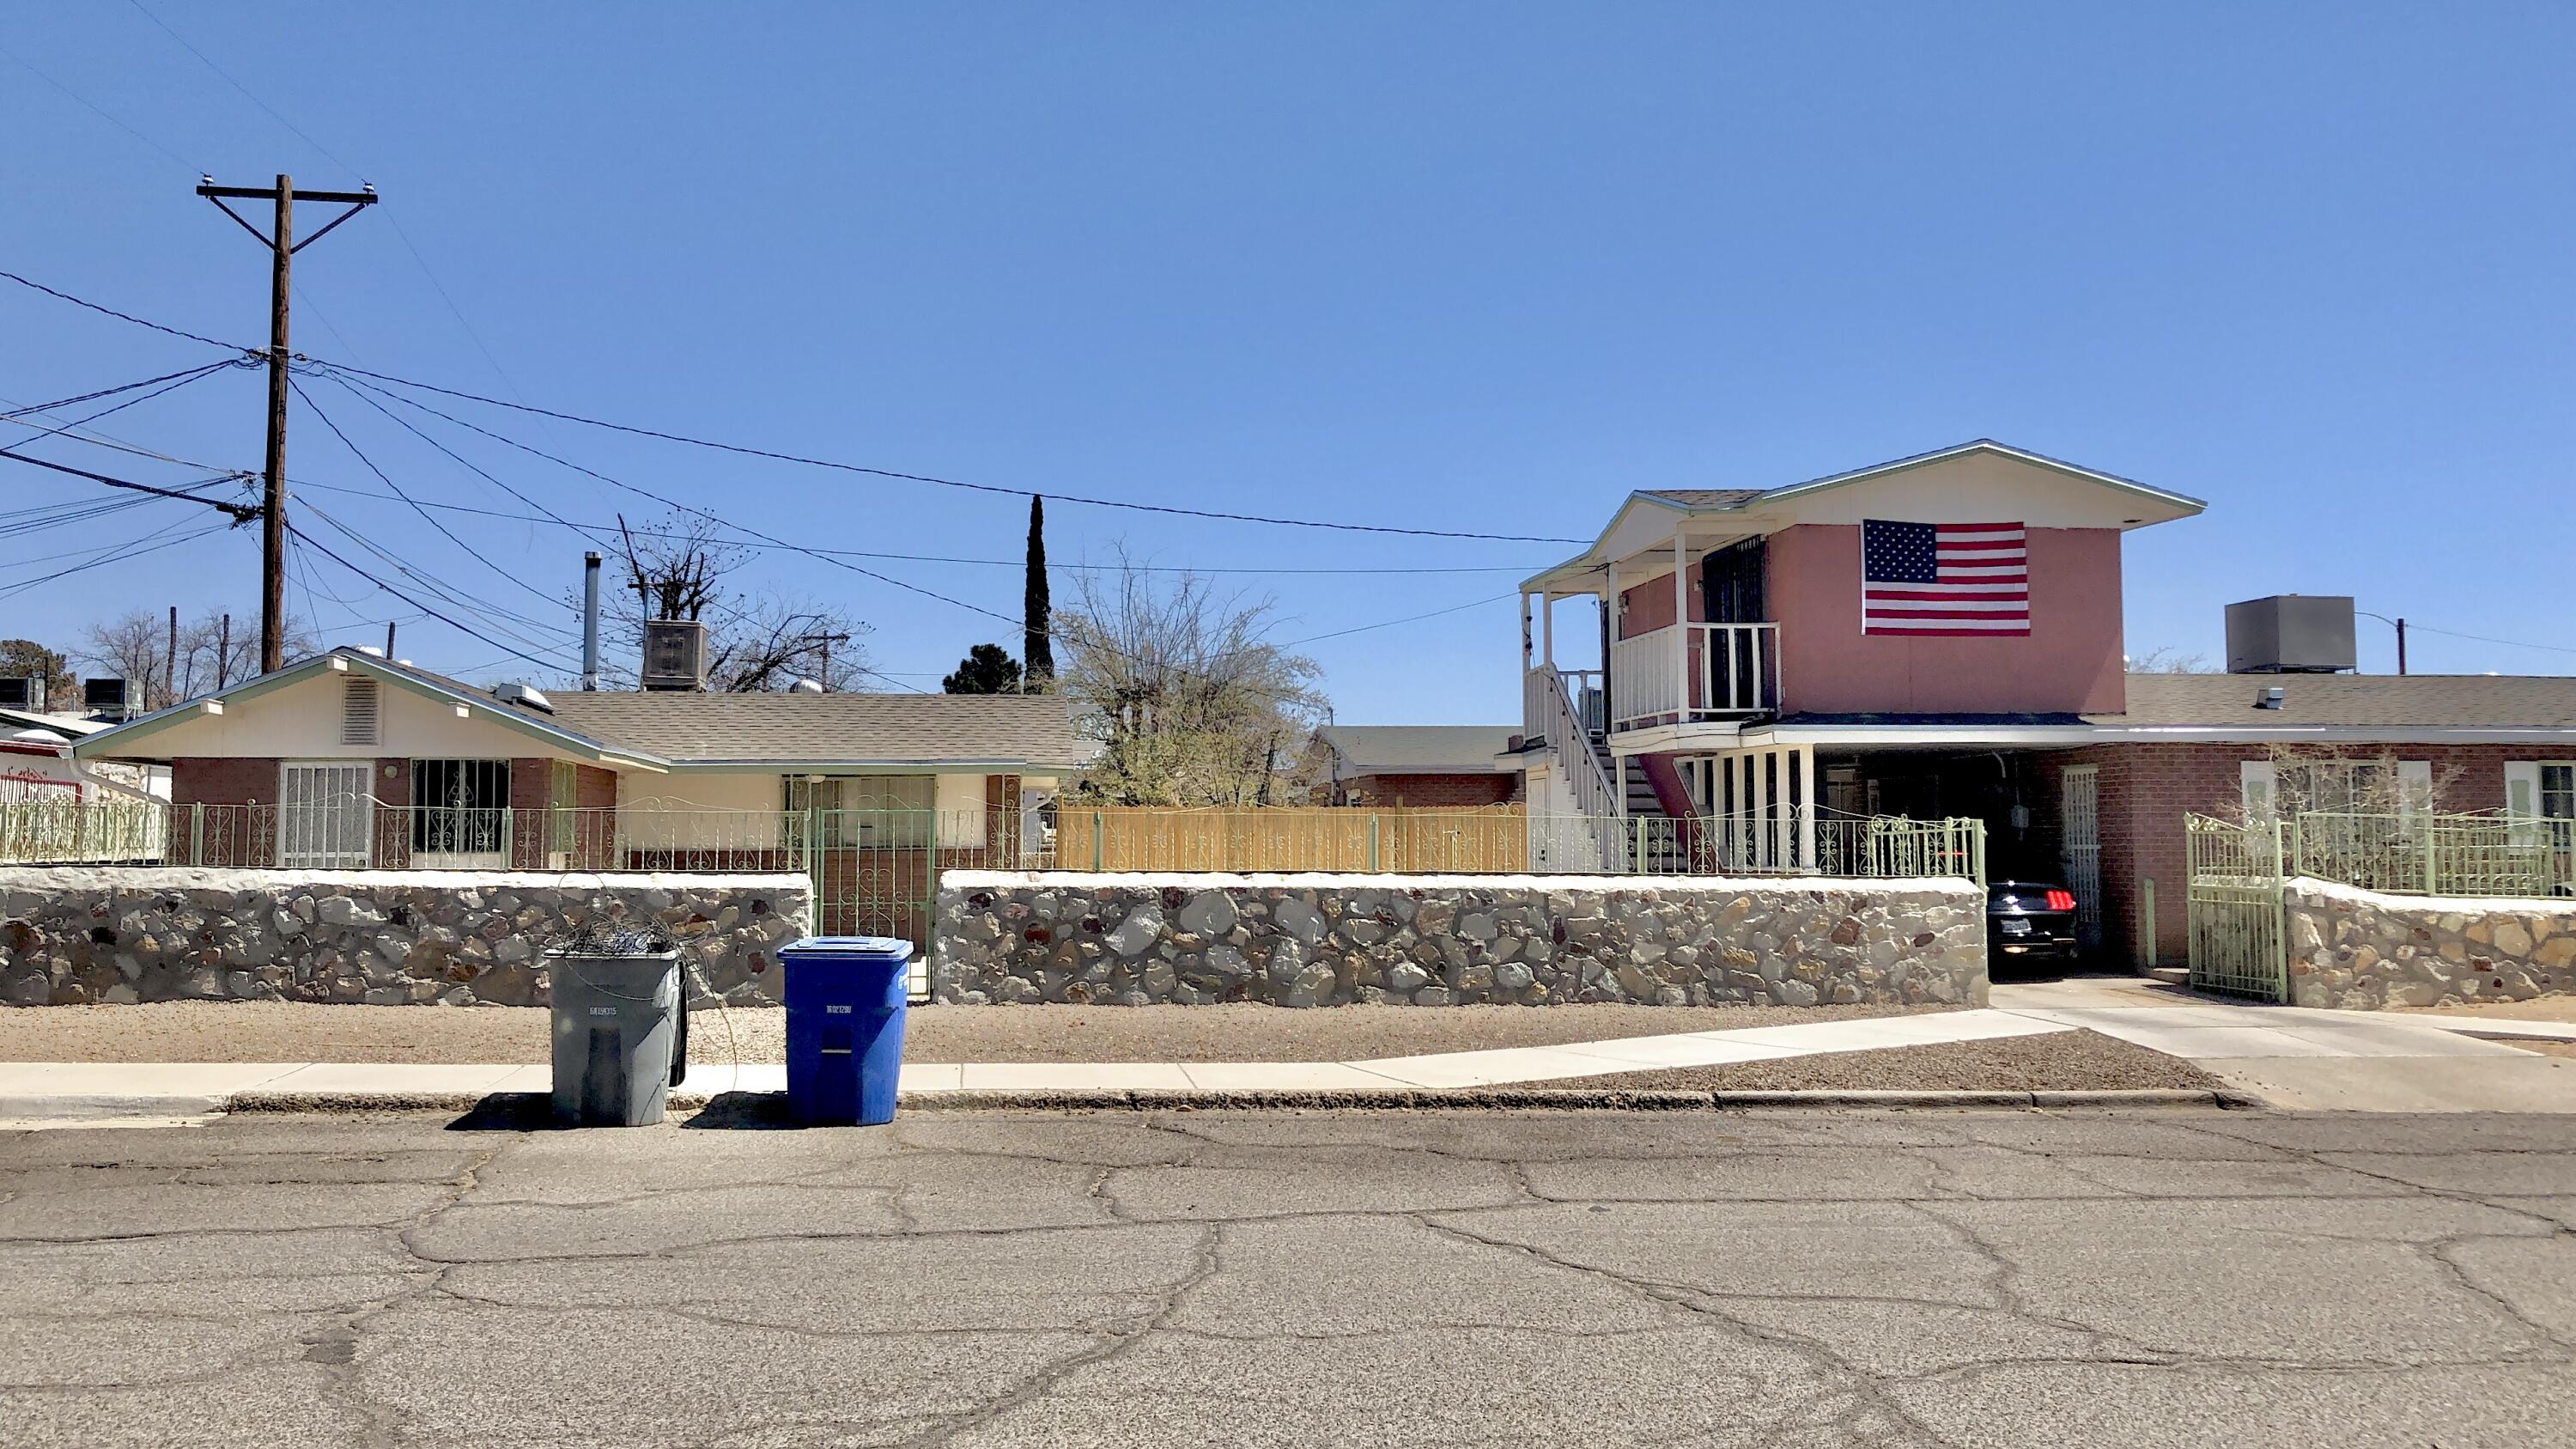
{"type": "Point", "coordinates": [83, 934]}
{"type": "Point", "coordinates": [1327, 940]}
{"type": "Point", "coordinates": [2362, 950]}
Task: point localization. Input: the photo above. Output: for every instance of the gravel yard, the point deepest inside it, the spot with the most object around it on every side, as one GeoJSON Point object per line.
{"type": "Point", "coordinates": [2063, 1061]}
{"type": "Point", "coordinates": [220, 1031]}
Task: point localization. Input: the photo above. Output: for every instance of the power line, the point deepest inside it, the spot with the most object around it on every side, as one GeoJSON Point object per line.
{"type": "Point", "coordinates": [123, 316]}
{"type": "Point", "coordinates": [745, 450]}
{"type": "Point", "coordinates": [326, 552]}
{"type": "Point", "coordinates": [776, 456]}
{"type": "Point", "coordinates": [242, 513]}
{"type": "Point", "coordinates": [183, 379]}
{"type": "Point", "coordinates": [426, 516]}
{"type": "Point", "coordinates": [2483, 639]}
{"type": "Point", "coordinates": [95, 109]}
{"type": "Point", "coordinates": [184, 374]}
{"type": "Point", "coordinates": [237, 85]}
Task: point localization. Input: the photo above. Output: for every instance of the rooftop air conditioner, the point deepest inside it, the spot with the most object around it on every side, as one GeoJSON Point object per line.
{"type": "Point", "coordinates": [104, 696]}
{"type": "Point", "coordinates": [27, 694]}
{"type": "Point", "coordinates": [675, 654]}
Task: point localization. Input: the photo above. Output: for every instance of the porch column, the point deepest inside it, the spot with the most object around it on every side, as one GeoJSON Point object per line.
{"type": "Point", "coordinates": [1681, 625]}
{"type": "Point", "coordinates": [1610, 631]}
{"type": "Point", "coordinates": [1804, 756]}
{"type": "Point", "coordinates": [1760, 778]}
{"type": "Point", "coordinates": [1547, 628]}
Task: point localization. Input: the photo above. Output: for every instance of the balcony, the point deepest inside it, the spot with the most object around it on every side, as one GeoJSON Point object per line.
{"type": "Point", "coordinates": [1694, 674]}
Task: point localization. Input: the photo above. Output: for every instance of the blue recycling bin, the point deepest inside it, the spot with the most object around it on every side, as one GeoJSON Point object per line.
{"type": "Point", "coordinates": [845, 1000]}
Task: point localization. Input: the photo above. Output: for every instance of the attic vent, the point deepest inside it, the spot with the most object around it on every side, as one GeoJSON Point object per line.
{"type": "Point", "coordinates": [358, 712]}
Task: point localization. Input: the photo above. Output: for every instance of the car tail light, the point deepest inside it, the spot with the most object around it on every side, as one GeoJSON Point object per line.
{"type": "Point", "coordinates": [2061, 900]}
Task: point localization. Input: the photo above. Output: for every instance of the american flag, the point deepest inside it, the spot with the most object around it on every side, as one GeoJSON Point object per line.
{"type": "Point", "coordinates": [1963, 579]}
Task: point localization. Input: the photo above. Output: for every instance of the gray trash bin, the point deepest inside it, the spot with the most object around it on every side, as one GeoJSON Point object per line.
{"type": "Point", "coordinates": [617, 1024]}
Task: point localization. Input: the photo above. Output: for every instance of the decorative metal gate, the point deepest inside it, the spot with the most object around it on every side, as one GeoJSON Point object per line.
{"type": "Point", "coordinates": [875, 870]}
{"type": "Point", "coordinates": [2232, 908]}
{"type": "Point", "coordinates": [2079, 850]}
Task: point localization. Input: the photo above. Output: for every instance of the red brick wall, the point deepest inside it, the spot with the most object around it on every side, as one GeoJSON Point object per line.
{"type": "Point", "coordinates": [225, 837]}
{"type": "Point", "coordinates": [1459, 792]}
{"type": "Point", "coordinates": [2146, 790]}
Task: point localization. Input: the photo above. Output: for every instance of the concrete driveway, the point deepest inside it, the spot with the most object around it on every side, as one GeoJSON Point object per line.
{"type": "Point", "coordinates": [2210, 1278]}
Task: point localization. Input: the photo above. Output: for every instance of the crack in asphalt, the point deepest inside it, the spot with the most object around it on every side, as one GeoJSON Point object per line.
{"type": "Point", "coordinates": [1837, 1391]}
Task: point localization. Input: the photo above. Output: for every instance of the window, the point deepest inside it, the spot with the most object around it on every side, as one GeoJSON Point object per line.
{"type": "Point", "coordinates": [322, 814]}
{"type": "Point", "coordinates": [869, 811]}
{"type": "Point", "coordinates": [2558, 792]}
{"type": "Point", "coordinates": [460, 811]}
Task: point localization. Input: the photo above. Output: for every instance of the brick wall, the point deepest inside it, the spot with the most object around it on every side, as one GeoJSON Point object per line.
{"type": "Point", "coordinates": [2146, 790]}
{"type": "Point", "coordinates": [1454, 791]}
{"type": "Point", "coordinates": [223, 837]}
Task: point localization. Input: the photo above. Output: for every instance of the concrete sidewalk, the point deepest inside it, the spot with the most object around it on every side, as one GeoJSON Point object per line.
{"type": "Point", "coordinates": [2308, 1059]}
{"type": "Point", "coordinates": [2290, 1056]}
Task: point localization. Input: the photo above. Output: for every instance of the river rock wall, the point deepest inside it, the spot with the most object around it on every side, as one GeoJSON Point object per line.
{"type": "Point", "coordinates": [1006, 937]}
{"type": "Point", "coordinates": [72, 934]}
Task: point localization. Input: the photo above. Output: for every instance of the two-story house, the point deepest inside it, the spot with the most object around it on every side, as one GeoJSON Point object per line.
{"type": "Point", "coordinates": [1941, 636]}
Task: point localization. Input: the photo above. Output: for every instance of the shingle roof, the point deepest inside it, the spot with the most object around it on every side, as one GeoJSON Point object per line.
{"type": "Point", "coordinates": [1417, 749]}
{"type": "Point", "coordinates": [1706, 497]}
{"type": "Point", "coordinates": [2386, 701]}
{"type": "Point", "coordinates": [828, 728]}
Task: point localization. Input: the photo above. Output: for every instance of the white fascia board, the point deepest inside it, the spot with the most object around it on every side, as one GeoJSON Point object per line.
{"type": "Point", "coordinates": [2072, 736]}
{"type": "Point", "coordinates": [888, 767]}
{"type": "Point", "coordinates": [2188, 505]}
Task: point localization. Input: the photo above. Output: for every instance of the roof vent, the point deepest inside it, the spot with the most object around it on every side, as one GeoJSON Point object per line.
{"type": "Point", "coordinates": [358, 712]}
{"type": "Point", "coordinates": [2271, 698]}
{"type": "Point", "coordinates": [2290, 634]}
{"type": "Point", "coordinates": [675, 654]}
{"type": "Point", "coordinates": [806, 686]}
{"type": "Point", "coordinates": [526, 696]}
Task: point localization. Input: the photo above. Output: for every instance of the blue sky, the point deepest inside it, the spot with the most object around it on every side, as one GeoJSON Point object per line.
{"type": "Point", "coordinates": [1466, 266]}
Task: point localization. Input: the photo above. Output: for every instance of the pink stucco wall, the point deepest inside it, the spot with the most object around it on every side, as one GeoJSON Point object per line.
{"type": "Point", "coordinates": [1646, 607]}
{"type": "Point", "coordinates": [2069, 662]}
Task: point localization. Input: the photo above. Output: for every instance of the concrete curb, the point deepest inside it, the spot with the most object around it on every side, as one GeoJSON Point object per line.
{"type": "Point", "coordinates": [68, 1107]}
{"type": "Point", "coordinates": [515, 1105]}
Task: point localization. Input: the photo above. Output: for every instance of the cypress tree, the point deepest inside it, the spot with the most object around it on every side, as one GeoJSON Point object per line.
{"type": "Point", "coordinates": [1037, 649]}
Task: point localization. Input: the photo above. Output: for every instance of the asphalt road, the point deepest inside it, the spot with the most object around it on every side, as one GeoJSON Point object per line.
{"type": "Point", "coordinates": [1299, 1280]}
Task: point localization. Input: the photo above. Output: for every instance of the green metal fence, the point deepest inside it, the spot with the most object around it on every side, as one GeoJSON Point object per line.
{"type": "Point", "coordinates": [2439, 855]}
{"type": "Point", "coordinates": [2233, 908]}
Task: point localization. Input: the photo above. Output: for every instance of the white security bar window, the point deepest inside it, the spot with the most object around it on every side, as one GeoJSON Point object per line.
{"type": "Point", "coordinates": [868, 811]}
{"type": "Point", "coordinates": [323, 810]}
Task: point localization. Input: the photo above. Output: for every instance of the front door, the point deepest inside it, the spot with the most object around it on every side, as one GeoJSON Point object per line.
{"type": "Point", "coordinates": [460, 814]}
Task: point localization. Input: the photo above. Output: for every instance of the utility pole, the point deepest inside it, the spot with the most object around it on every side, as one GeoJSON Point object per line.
{"type": "Point", "coordinates": [170, 661]}
{"type": "Point", "coordinates": [224, 655]}
{"type": "Point", "coordinates": [2401, 646]}
{"type": "Point", "coordinates": [389, 640]}
{"type": "Point", "coordinates": [282, 248]}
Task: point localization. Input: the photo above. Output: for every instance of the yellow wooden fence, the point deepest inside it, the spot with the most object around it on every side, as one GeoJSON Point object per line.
{"type": "Point", "coordinates": [1493, 840]}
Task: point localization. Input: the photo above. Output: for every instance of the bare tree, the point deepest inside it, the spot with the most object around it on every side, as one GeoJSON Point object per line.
{"type": "Point", "coordinates": [2166, 659]}
{"type": "Point", "coordinates": [1192, 701]}
{"type": "Point", "coordinates": [136, 647]}
{"type": "Point", "coordinates": [680, 568]}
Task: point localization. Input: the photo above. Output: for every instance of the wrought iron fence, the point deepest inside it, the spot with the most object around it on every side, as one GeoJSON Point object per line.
{"type": "Point", "coordinates": [881, 855]}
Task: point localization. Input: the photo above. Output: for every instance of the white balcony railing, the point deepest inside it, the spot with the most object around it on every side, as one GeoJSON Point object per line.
{"type": "Point", "coordinates": [1676, 675]}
